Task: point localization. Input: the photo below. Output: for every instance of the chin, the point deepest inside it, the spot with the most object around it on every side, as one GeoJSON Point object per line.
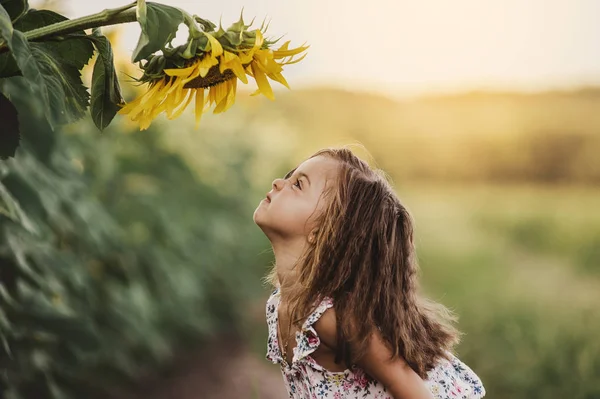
{"type": "Point", "coordinates": [258, 218]}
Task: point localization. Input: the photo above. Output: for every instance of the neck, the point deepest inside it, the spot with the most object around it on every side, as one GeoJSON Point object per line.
{"type": "Point", "coordinates": [286, 257]}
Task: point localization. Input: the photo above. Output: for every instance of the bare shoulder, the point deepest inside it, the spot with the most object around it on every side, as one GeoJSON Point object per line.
{"type": "Point", "coordinates": [327, 329]}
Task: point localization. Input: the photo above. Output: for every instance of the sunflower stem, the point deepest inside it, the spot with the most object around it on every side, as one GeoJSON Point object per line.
{"type": "Point", "coordinates": [111, 16]}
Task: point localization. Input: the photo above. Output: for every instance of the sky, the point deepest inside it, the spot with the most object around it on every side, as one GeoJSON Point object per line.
{"type": "Point", "coordinates": [420, 46]}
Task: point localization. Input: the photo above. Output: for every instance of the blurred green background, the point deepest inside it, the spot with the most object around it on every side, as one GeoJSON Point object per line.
{"type": "Point", "coordinates": [130, 266]}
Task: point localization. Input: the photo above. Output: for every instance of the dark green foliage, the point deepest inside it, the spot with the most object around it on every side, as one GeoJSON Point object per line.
{"type": "Point", "coordinates": [14, 8]}
{"type": "Point", "coordinates": [111, 252]}
{"type": "Point", "coordinates": [52, 69]}
{"type": "Point", "coordinates": [10, 128]}
{"type": "Point", "coordinates": [106, 92]}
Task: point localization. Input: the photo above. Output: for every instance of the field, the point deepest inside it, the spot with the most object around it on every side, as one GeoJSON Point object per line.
{"type": "Point", "coordinates": [124, 251]}
{"type": "Point", "coordinates": [507, 210]}
{"type": "Point", "coordinates": [521, 267]}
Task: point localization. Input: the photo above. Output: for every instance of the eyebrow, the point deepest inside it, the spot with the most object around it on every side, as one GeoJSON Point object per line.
{"type": "Point", "coordinates": [289, 174]}
{"type": "Point", "coordinates": [300, 174]}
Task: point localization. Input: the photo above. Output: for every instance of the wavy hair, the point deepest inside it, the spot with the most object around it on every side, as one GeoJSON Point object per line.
{"type": "Point", "coordinates": [363, 257]}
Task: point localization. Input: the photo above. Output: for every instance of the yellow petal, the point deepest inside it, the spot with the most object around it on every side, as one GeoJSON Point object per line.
{"type": "Point", "coordinates": [232, 61]}
{"type": "Point", "coordinates": [279, 78]}
{"type": "Point", "coordinates": [192, 76]}
{"type": "Point", "coordinates": [221, 92]}
{"type": "Point", "coordinates": [147, 102]}
{"type": "Point", "coordinates": [284, 46]}
{"type": "Point", "coordinates": [180, 71]}
{"type": "Point", "coordinates": [190, 96]}
{"type": "Point", "coordinates": [125, 109]}
{"type": "Point", "coordinates": [262, 82]}
{"type": "Point", "coordinates": [147, 96]}
{"type": "Point", "coordinates": [206, 63]}
{"type": "Point", "coordinates": [211, 95]}
{"type": "Point", "coordinates": [258, 42]}
{"type": "Point", "coordinates": [290, 62]}
{"type": "Point", "coordinates": [238, 70]}
{"type": "Point", "coordinates": [272, 67]}
{"type": "Point", "coordinates": [173, 100]}
{"type": "Point", "coordinates": [245, 57]}
{"type": "Point", "coordinates": [263, 56]}
{"type": "Point", "coordinates": [157, 110]}
{"type": "Point", "coordinates": [145, 123]}
{"type": "Point", "coordinates": [226, 59]}
{"type": "Point", "coordinates": [229, 99]}
{"type": "Point", "coordinates": [173, 85]}
{"type": "Point", "coordinates": [199, 106]}
{"type": "Point", "coordinates": [215, 47]}
{"type": "Point", "coordinates": [286, 53]}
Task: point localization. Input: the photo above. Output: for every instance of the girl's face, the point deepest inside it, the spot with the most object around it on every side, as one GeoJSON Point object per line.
{"type": "Point", "coordinates": [294, 202]}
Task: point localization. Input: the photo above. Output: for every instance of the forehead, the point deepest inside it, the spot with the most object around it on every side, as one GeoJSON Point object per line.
{"type": "Point", "coordinates": [319, 167]}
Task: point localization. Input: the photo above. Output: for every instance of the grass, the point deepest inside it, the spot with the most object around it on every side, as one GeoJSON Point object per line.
{"type": "Point", "coordinates": [512, 262]}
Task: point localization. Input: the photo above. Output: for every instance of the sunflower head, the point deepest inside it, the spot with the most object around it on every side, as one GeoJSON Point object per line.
{"type": "Point", "coordinates": [206, 68]}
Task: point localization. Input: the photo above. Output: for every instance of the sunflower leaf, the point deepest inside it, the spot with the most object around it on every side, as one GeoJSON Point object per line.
{"type": "Point", "coordinates": [37, 18]}
{"type": "Point", "coordinates": [9, 139]}
{"type": "Point", "coordinates": [159, 24]}
{"type": "Point", "coordinates": [51, 71]}
{"type": "Point", "coordinates": [14, 8]}
{"type": "Point", "coordinates": [8, 65]}
{"type": "Point", "coordinates": [73, 48]}
{"type": "Point", "coordinates": [106, 92]}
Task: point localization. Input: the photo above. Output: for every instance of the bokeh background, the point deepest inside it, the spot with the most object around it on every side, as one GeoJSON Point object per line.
{"type": "Point", "coordinates": [138, 267]}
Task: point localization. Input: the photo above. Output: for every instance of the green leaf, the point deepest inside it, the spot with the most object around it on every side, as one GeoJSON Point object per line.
{"type": "Point", "coordinates": [106, 92]}
{"type": "Point", "coordinates": [6, 346]}
{"type": "Point", "coordinates": [14, 8]}
{"type": "Point", "coordinates": [8, 65]}
{"type": "Point", "coordinates": [51, 71]}
{"type": "Point", "coordinates": [159, 25]}
{"type": "Point", "coordinates": [9, 136]}
{"type": "Point", "coordinates": [10, 208]}
{"type": "Point", "coordinates": [72, 330]}
{"type": "Point", "coordinates": [37, 18]}
{"type": "Point", "coordinates": [74, 49]}
{"type": "Point", "coordinates": [67, 96]}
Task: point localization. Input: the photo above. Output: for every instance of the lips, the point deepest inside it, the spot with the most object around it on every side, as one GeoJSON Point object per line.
{"type": "Point", "coordinates": [268, 198]}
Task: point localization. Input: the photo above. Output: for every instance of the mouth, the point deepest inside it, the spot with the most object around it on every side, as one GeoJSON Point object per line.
{"type": "Point", "coordinates": [268, 198]}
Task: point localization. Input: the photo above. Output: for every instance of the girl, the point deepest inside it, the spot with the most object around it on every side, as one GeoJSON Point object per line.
{"type": "Point", "coordinates": [345, 319]}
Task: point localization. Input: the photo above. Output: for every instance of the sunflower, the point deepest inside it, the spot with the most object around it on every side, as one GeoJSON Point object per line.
{"type": "Point", "coordinates": [206, 69]}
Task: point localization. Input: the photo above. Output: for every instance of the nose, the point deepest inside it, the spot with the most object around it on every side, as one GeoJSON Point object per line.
{"type": "Point", "coordinates": [278, 184]}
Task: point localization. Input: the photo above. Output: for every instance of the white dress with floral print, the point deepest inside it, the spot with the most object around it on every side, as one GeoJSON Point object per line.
{"type": "Point", "coordinates": [306, 379]}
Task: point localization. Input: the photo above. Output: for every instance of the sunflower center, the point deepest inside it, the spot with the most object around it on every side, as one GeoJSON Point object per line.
{"type": "Point", "coordinates": [212, 78]}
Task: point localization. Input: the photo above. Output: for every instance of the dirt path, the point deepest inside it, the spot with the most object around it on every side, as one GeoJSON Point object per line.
{"type": "Point", "coordinates": [222, 371]}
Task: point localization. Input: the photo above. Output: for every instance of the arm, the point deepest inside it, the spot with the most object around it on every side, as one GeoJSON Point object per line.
{"type": "Point", "coordinates": [396, 375]}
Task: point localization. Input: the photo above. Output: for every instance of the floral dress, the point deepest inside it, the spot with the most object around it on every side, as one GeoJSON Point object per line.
{"type": "Point", "coordinates": [306, 379]}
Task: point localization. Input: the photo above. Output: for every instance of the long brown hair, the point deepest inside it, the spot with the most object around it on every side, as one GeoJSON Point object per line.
{"type": "Point", "coordinates": [363, 257]}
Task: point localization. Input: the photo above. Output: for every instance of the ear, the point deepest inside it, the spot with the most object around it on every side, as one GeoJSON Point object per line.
{"type": "Point", "coordinates": [312, 236]}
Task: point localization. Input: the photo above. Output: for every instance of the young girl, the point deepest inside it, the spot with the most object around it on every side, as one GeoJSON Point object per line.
{"type": "Point", "coordinates": [345, 319]}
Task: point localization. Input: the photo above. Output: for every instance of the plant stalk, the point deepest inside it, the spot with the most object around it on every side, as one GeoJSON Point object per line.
{"type": "Point", "coordinates": [112, 16]}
